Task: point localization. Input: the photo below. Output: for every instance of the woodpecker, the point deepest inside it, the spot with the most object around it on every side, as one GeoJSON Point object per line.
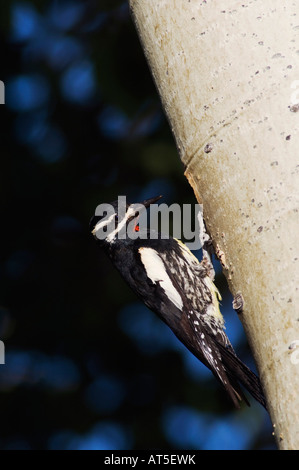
{"type": "Point", "coordinates": [171, 281]}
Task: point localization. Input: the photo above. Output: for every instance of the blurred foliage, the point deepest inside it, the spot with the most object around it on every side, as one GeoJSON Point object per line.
{"type": "Point", "coordinates": [87, 366]}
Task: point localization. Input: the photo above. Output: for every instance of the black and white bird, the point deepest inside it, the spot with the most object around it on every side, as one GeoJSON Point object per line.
{"type": "Point", "coordinates": [177, 287]}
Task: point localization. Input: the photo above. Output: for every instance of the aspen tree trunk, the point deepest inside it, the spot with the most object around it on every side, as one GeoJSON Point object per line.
{"type": "Point", "coordinates": [227, 74]}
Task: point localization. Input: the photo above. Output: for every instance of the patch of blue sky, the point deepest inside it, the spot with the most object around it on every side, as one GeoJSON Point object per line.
{"type": "Point", "coordinates": [27, 92]}
{"type": "Point", "coordinates": [147, 331]}
{"type": "Point", "coordinates": [65, 14]}
{"type": "Point", "coordinates": [228, 433]}
{"type": "Point", "coordinates": [78, 83]}
{"type": "Point", "coordinates": [58, 373]}
{"type": "Point", "coordinates": [106, 435]}
{"type": "Point", "coordinates": [25, 21]}
{"type": "Point", "coordinates": [113, 123]}
{"type": "Point", "coordinates": [184, 427]}
{"type": "Point", "coordinates": [63, 51]}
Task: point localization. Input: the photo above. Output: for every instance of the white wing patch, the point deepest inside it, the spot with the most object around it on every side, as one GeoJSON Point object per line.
{"type": "Point", "coordinates": [156, 272]}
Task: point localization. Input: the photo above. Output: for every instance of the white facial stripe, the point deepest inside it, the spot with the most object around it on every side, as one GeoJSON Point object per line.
{"type": "Point", "coordinates": [105, 222]}
{"type": "Point", "coordinates": [130, 212]}
{"type": "Point", "coordinates": [102, 223]}
{"type": "Point", "coordinates": [156, 272]}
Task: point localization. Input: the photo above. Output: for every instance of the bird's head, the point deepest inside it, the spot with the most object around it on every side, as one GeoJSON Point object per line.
{"type": "Point", "coordinates": [118, 219]}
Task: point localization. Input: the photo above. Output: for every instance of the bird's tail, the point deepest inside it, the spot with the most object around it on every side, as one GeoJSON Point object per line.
{"type": "Point", "coordinates": [237, 371]}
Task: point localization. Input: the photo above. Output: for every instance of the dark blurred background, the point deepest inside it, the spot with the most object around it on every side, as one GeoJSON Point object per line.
{"type": "Point", "coordinates": [87, 366]}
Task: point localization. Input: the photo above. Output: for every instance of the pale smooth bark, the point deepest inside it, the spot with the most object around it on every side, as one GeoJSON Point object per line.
{"type": "Point", "coordinates": [226, 73]}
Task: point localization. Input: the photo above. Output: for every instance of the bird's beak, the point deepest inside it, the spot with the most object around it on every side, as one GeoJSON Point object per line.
{"type": "Point", "coordinates": [150, 201]}
{"type": "Point", "coordinates": [137, 208]}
